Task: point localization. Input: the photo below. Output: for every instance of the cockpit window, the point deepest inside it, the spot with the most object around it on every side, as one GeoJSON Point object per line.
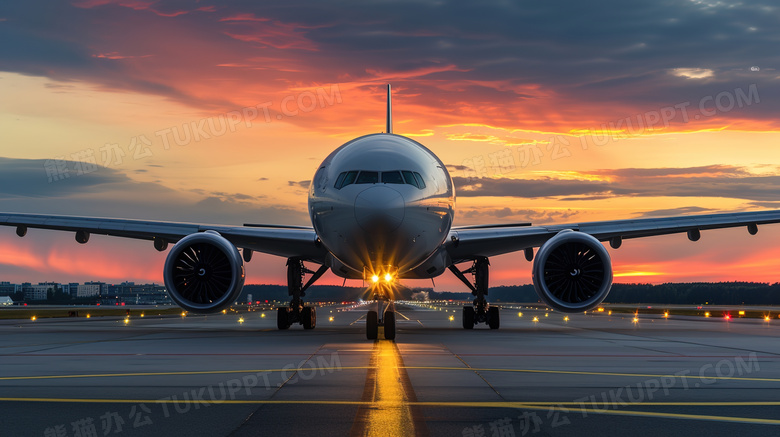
{"type": "Point", "coordinates": [367, 177]}
{"type": "Point", "coordinates": [340, 180]}
{"type": "Point", "coordinates": [420, 181]}
{"type": "Point", "coordinates": [409, 178]}
{"type": "Point", "coordinates": [372, 177]}
{"type": "Point", "coordinates": [392, 177]}
{"type": "Point", "coordinates": [345, 178]}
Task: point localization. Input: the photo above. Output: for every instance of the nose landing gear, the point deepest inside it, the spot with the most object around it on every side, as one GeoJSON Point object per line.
{"type": "Point", "coordinates": [386, 309]}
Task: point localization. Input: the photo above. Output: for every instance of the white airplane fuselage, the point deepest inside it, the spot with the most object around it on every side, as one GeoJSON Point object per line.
{"type": "Point", "coordinates": [383, 204]}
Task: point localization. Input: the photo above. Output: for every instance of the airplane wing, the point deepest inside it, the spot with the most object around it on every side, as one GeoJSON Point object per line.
{"type": "Point", "coordinates": [293, 241]}
{"type": "Point", "coordinates": [467, 243]}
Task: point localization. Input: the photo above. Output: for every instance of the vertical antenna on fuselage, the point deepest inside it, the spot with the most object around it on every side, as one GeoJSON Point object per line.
{"type": "Point", "coordinates": [389, 112]}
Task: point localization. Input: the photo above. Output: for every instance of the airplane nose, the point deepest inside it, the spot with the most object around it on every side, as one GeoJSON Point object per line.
{"type": "Point", "coordinates": [379, 209]}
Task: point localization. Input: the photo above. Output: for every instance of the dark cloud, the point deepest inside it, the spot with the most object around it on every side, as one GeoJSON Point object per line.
{"type": "Point", "coordinates": [528, 188]}
{"type": "Point", "coordinates": [719, 181]}
{"type": "Point", "coordinates": [673, 171]}
{"type": "Point", "coordinates": [515, 64]}
{"type": "Point", "coordinates": [44, 178]}
{"type": "Point", "coordinates": [507, 215]}
{"type": "Point", "coordinates": [675, 211]}
{"type": "Point", "coordinates": [107, 192]}
{"type": "Point", "coordinates": [299, 184]}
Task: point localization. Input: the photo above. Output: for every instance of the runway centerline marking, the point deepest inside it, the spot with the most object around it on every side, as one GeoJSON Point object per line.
{"type": "Point", "coordinates": [387, 397]}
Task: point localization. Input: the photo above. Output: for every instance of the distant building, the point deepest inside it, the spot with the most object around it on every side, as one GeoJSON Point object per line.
{"type": "Point", "coordinates": [6, 301]}
{"type": "Point", "coordinates": [7, 288]}
{"type": "Point", "coordinates": [89, 289]}
{"type": "Point", "coordinates": [133, 293]}
{"type": "Point", "coordinates": [38, 292]}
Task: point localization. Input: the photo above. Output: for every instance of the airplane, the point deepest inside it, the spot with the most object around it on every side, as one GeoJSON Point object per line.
{"type": "Point", "coordinates": [381, 208]}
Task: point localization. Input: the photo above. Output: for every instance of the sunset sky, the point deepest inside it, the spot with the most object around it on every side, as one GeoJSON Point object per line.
{"type": "Point", "coordinates": [548, 112]}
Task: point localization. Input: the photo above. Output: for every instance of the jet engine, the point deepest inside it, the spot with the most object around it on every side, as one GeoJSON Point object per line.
{"type": "Point", "coordinates": [572, 272]}
{"type": "Point", "coordinates": [204, 272]}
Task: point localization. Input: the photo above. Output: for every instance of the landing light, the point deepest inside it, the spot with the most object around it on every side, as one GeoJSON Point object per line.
{"type": "Point", "coordinates": [741, 313]}
{"type": "Point", "coordinates": [519, 314]}
{"type": "Point", "coordinates": [707, 314]}
{"type": "Point", "coordinates": [184, 313]}
{"type": "Point", "coordinates": [88, 316]}
{"type": "Point", "coordinates": [536, 319]}
{"type": "Point", "coordinates": [330, 319]}
{"type": "Point", "coordinates": [545, 314]}
{"type": "Point", "coordinates": [452, 318]}
{"type": "Point", "coordinates": [262, 315]}
{"type": "Point", "coordinates": [666, 314]}
{"type": "Point", "coordinates": [33, 318]}
{"type": "Point", "coordinates": [636, 320]}
{"type": "Point", "coordinates": [766, 318]}
{"type": "Point", "coordinates": [601, 310]}
{"type": "Point", "coordinates": [566, 319]}
{"type": "Point", "coordinates": [727, 317]}
{"type": "Point", "coordinates": [388, 277]}
{"type": "Point", "coordinates": [127, 320]}
{"type": "Point", "coordinates": [240, 320]}
{"type": "Point", "coordinates": [375, 278]}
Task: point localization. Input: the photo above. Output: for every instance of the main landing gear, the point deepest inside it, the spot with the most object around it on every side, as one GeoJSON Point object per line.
{"type": "Point", "coordinates": [296, 312]}
{"type": "Point", "coordinates": [373, 322]}
{"type": "Point", "coordinates": [481, 312]}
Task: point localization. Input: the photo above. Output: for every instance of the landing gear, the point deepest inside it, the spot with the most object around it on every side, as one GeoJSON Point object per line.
{"type": "Point", "coordinates": [388, 322]}
{"type": "Point", "coordinates": [480, 312]}
{"type": "Point", "coordinates": [282, 316]}
{"type": "Point", "coordinates": [492, 318]}
{"type": "Point", "coordinates": [372, 325]}
{"type": "Point", "coordinates": [468, 317]}
{"type": "Point", "coordinates": [296, 312]}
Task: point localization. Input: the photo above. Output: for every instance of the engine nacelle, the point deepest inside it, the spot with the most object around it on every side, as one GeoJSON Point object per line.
{"type": "Point", "coordinates": [204, 272]}
{"type": "Point", "coordinates": [572, 272]}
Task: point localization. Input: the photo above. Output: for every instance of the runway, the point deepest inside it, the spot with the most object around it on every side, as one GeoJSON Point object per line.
{"type": "Point", "coordinates": [540, 374]}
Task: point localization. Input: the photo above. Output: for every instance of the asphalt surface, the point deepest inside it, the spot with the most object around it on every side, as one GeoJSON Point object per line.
{"type": "Point", "coordinates": [590, 374]}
